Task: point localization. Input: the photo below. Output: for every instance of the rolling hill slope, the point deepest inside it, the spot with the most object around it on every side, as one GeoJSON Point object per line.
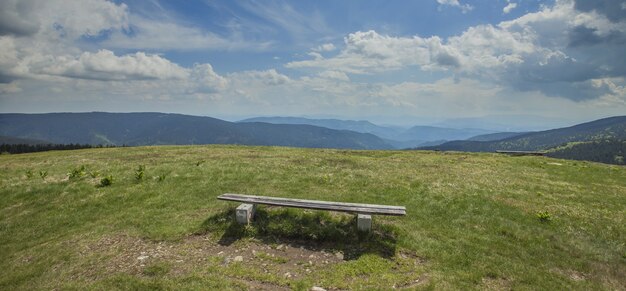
{"type": "Point", "coordinates": [475, 221]}
{"type": "Point", "coordinates": [607, 128]}
{"type": "Point", "coordinates": [396, 136]}
{"type": "Point", "coordinates": [160, 129]}
{"type": "Point", "coordinates": [353, 125]}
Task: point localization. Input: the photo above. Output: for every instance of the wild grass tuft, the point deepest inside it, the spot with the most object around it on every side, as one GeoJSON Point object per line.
{"type": "Point", "coordinates": [77, 173]}
{"type": "Point", "coordinates": [139, 173]}
{"type": "Point", "coordinates": [544, 216]}
{"type": "Point", "coordinates": [106, 181]}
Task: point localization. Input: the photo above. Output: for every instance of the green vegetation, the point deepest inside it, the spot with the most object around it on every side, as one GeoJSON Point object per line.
{"type": "Point", "coordinates": [610, 151]}
{"type": "Point", "coordinates": [599, 141]}
{"type": "Point", "coordinates": [474, 221]}
{"type": "Point", "coordinates": [139, 173]}
{"type": "Point", "coordinates": [106, 181]}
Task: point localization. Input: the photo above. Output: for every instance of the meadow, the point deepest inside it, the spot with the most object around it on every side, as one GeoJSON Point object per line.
{"type": "Point", "coordinates": [148, 218]}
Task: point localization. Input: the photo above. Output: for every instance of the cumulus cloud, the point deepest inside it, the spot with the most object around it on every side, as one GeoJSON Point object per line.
{"type": "Point", "coordinates": [509, 7]}
{"type": "Point", "coordinates": [327, 47]}
{"type": "Point", "coordinates": [16, 18]}
{"type": "Point", "coordinates": [556, 50]}
{"type": "Point", "coordinates": [268, 77]}
{"type": "Point", "coordinates": [336, 75]}
{"type": "Point", "coordinates": [205, 79]}
{"type": "Point", "coordinates": [370, 52]}
{"type": "Point", "coordinates": [50, 48]}
{"type": "Point", "coordinates": [62, 18]}
{"type": "Point", "coordinates": [105, 65]}
{"type": "Point", "coordinates": [614, 10]}
{"type": "Point", "coordinates": [455, 3]}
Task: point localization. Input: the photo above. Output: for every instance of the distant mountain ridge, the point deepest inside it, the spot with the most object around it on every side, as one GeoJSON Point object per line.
{"type": "Point", "coordinates": [397, 136]}
{"type": "Point", "coordinates": [495, 136]}
{"type": "Point", "coordinates": [160, 128]}
{"type": "Point", "coordinates": [607, 128]}
{"type": "Point", "coordinates": [362, 126]}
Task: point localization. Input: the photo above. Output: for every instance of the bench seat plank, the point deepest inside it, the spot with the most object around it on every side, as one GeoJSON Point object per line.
{"type": "Point", "coordinates": [316, 204]}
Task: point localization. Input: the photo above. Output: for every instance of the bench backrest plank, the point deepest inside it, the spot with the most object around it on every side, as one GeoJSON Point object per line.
{"type": "Point", "coordinates": [316, 204]}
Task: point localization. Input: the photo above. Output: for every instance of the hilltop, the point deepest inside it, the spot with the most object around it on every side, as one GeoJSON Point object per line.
{"type": "Point", "coordinates": [149, 128]}
{"type": "Point", "coordinates": [474, 220]}
{"type": "Point", "coordinates": [554, 140]}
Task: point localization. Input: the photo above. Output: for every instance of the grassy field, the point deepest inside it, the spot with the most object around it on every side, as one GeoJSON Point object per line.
{"type": "Point", "coordinates": [474, 221]}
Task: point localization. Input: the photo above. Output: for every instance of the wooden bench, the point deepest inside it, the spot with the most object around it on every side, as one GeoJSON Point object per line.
{"type": "Point", "coordinates": [245, 211]}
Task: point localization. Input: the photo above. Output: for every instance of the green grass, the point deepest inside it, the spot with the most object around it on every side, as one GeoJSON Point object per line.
{"type": "Point", "coordinates": [474, 221]}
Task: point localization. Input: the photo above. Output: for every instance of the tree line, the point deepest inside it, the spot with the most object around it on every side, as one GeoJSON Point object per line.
{"type": "Point", "coordinates": [611, 151]}
{"type": "Point", "coordinates": [31, 148]}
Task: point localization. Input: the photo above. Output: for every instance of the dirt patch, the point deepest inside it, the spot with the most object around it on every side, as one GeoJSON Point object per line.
{"type": "Point", "coordinates": [131, 255]}
{"type": "Point", "coordinates": [571, 274]}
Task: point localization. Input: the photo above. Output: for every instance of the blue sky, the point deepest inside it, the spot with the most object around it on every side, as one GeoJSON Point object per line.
{"type": "Point", "coordinates": [402, 62]}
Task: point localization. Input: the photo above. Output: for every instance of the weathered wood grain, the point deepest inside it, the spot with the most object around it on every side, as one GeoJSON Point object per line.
{"type": "Point", "coordinates": [317, 204]}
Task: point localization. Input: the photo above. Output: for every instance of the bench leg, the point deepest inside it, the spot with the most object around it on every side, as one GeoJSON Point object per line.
{"type": "Point", "coordinates": [364, 222]}
{"type": "Point", "coordinates": [245, 213]}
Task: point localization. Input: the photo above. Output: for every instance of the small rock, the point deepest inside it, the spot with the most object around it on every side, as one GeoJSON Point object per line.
{"type": "Point", "coordinates": [315, 288]}
{"type": "Point", "coordinates": [220, 253]}
{"type": "Point", "coordinates": [141, 258]}
{"type": "Point", "coordinates": [312, 257]}
{"type": "Point", "coordinates": [311, 263]}
{"type": "Point", "coordinates": [238, 259]}
{"type": "Point", "coordinates": [280, 247]}
{"type": "Point", "coordinates": [339, 255]}
{"type": "Point", "coordinates": [253, 252]}
{"type": "Point", "coordinates": [287, 275]}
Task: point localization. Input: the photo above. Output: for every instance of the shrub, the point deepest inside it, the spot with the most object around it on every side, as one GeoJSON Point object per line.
{"type": "Point", "coordinates": [106, 181]}
{"type": "Point", "coordinates": [43, 174]}
{"type": "Point", "coordinates": [139, 173]}
{"type": "Point", "coordinates": [198, 163]}
{"type": "Point", "coordinates": [77, 172]}
{"type": "Point", "coordinates": [544, 216]}
{"type": "Point", "coordinates": [94, 174]}
{"type": "Point", "coordinates": [29, 174]}
{"type": "Point", "coordinates": [160, 178]}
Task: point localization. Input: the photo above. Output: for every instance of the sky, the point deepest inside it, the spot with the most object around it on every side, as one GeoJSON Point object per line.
{"type": "Point", "coordinates": [390, 62]}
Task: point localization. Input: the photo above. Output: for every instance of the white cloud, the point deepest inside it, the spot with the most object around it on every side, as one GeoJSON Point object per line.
{"type": "Point", "coordinates": [58, 18]}
{"type": "Point", "coordinates": [509, 7]}
{"type": "Point", "coordinates": [369, 52]}
{"type": "Point", "coordinates": [327, 47]}
{"type": "Point", "coordinates": [168, 35]}
{"type": "Point", "coordinates": [336, 75]}
{"type": "Point", "coordinates": [269, 77]}
{"type": "Point", "coordinates": [455, 3]}
{"type": "Point", "coordinates": [205, 79]}
{"type": "Point", "coordinates": [9, 88]}
{"type": "Point", "coordinates": [105, 65]}
{"type": "Point", "coordinates": [556, 50]}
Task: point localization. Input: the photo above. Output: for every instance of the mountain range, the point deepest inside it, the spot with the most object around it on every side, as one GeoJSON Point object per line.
{"type": "Point", "coordinates": [396, 136]}
{"type": "Point", "coordinates": [600, 140]}
{"type": "Point", "coordinates": [160, 128]}
{"type": "Point", "coordinates": [612, 128]}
